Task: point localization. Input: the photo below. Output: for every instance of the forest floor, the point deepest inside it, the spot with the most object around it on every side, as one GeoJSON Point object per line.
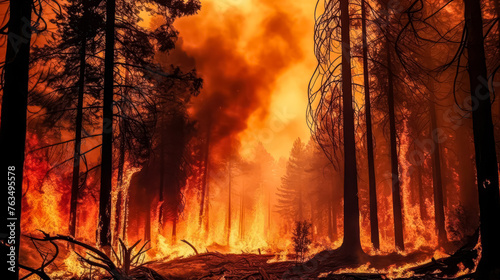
{"type": "Point", "coordinates": [325, 265]}
{"type": "Point", "coordinates": [328, 264]}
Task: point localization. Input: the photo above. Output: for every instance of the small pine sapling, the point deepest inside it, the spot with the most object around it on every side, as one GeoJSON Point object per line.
{"type": "Point", "coordinates": [301, 239]}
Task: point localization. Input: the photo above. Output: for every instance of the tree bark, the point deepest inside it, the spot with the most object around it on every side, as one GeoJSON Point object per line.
{"type": "Point", "coordinates": [228, 237]}
{"type": "Point", "coordinates": [437, 183]}
{"type": "Point", "coordinates": [204, 207]}
{"type": "Point", "coordinates": [421, 195]}
{"type": "Point", "coordinates": [242, 212]}
{"type": "Point", "coordinates": [122, 194]}
{"type": "Point", "coordinates": [396, 190]}
{"type": "Point", "coordinates": [161, 187]}
{"type": "Point", "coordinates": [484, 143]}
{"type": "Point", "coordinates": [13, 121]}
{"type": "Point", "coordinates": [174, 230]}
{"type": "Point", "coordinates": [104, 230]}
{"type": "Point", "coordinates": [466, 175]}
{"type": "Point", "coordinates": [75, 184]}
{"type": "Point", "coordinates": [351, 243]}
{"type": "Point", "coordinates": [147, 225]}
{"type": "Point", "coordinates": [369, 137]}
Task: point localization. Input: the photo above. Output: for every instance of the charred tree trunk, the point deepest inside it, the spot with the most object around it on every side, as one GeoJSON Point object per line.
{"type": "Point", "coordinates": [436, 176]}
{"type": "Point", "coordinates": [369, 137]}
{"type": "Point", "coordinates": [268, 212]}
{"type": "Point", "coordinates": [147, 223]}
{"type": "Point", "coordinates": [484, 142]}
{"type": "Point", "coordinates": [125, 216]}
{"type": "Point", "coordinates": [242, 212]}
{"type": "Point", "coordinates": [396, 190]}
{"type": "Point", "coordinates": [301, 206]}
{"type": "Point", "coordinates": [228, 237]}
{"type": "Point", "coordinates": [335, 232]}
{"type": "Point", "coordinates": [117, 214]}
{"type": "Point", "coordinates": [466, 175]}
{"type": "Point", "coordinates": [421, 195]}
{"type": "Point", "coordinates": [204, 212]}
{"type": "Point", "coordinates": [330, 224]}
{"type": "Point", "coordinates": [332, 214]}
{"type": "Point", "coordinates": [161, 187]}
{"type": "Point", "coordinates": [13, 123]}
{"type": "Point", "coordinates": [351, 244]}
{"type": "Point", "coordinates": [104, 230]}
{"type": "Point", "coordinates": [174, 229]}
{"type": "Point", "coordinates": [121, 193]}
{"type": "Point", "coordinates": [120, 224]}
{"type": "Point", "coordinates": [75, 184]}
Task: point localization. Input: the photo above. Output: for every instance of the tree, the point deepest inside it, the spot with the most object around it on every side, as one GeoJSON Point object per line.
{"type": "Point", "coordinates": [395, 180]}
{"type": "Point", "coordinates": [13, 116]}
{"type": "Point", "coordinates": [335, 113]}
{"type": "Point", "coordinates": [369, 135]}
{"type": "Point", "coordinates": [104, 230]}
{"type": "Point", "coordinates": [351, 241]}
{"type": "Point", "coordinates": [291, 193]}
{"type": "Point", "coordinates": [69, 53]}
{"type": "Point", "coordinates": [436, 173]}
{"type": "Point", "coordinates": [301, 239]}
{"type": "Point", "coordinates": [472, 40]}
{"type": "Point", "coordinates": [135, 39]}
{"type": "Point", "coordinates": [484, 143]}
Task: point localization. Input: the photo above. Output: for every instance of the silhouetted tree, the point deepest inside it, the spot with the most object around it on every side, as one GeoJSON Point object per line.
{"type": "Point", "coordinates": [13, 116]}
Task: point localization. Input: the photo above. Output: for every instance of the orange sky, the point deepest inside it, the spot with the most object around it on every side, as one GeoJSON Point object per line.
{"type": "Point", "coordinates": [271, 44]}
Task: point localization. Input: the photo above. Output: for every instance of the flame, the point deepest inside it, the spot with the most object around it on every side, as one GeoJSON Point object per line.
{"type": "Point", "coordinates": [250, 60]}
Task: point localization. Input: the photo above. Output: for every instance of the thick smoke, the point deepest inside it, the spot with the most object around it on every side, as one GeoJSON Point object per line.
{"type": "Point", "coordinates": [240, 57]}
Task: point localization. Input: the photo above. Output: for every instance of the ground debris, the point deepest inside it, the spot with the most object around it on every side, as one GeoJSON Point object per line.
{"type": "Point", "coordinates": [324, 265]}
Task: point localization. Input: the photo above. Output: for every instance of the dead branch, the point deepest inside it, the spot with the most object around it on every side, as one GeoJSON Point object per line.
{"type": "Point", "coordinates": [106, 262]}
{"type": "Point", "coordinates": [38, 272]}
{"type": "Point", "coordinates": [190, 245]}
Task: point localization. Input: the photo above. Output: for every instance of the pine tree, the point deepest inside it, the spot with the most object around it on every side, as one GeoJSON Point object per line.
{"type": "Point", "coordinates": [291, 193]}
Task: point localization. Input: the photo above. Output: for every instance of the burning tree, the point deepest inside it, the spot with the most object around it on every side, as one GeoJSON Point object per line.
{"type": "Point", "coordinates": [333, 116]}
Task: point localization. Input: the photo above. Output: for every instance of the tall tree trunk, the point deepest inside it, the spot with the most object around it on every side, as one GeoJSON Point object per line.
{"type": "Point", "coordinates": [421, 195]}
{"type": "Point", "coordinates": [351, 243]}
{"type": "Point", "coordinates": [242, 212]}
{"type": "Point", "coordinates": [229, 203]}
{"type": "Point", "coordinates": [268, 212]}
{"type": "Point", "coordinates": [174, 229]}
{"type": "Point", "coordinates": [484, 143]}
{"type": "Point", "coordinates": [118, 210]}
{"type": "Point", "coordinates": [334, 223]}
{"type": "Point", "coordinates": [301, 207]}
{"type": "Point", "coordinates": [396, 190]}
{"type": "Point", "coordinates": [466, 175]}
{"type": "Point", "coordinates": [125, 216]}
{"type": "Point", "coordinates": [330, 224]}
{"type": "Point", "coordinates": [204, 207]}
{"type": "Point", "coordinates": [332, 212]}
{"type": "Point", "coordinates": [437, 183]}
{"type": "Point", "coordinates": [13, 122]}
{"type": "Point", "coordinates": [75, 184]}
{"type": "Point", "coordinates": [122, 194]}
{"type": "Point", "coordinates": [147, 224]}
{"type": "Point", "coordinates": [161, 187]}
{"type": "Point", "coordinates": [369, 137]}
{"type": "Point", "coordinates": [107, 130]}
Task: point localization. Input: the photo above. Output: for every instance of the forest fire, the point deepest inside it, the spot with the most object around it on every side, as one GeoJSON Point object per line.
{"type": "Point", "coordinates": [166, 139]}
